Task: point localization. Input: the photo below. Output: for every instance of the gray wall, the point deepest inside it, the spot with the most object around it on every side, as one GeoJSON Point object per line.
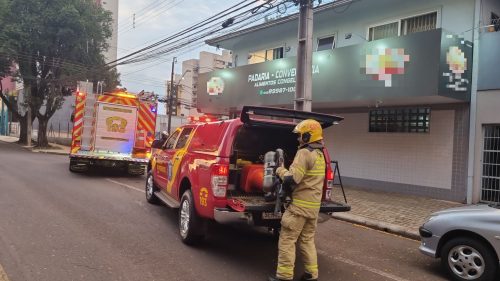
{"type": "Point", "coordinates": [62, 117]}
{"type": "Point", "coordinates": [489, 60]}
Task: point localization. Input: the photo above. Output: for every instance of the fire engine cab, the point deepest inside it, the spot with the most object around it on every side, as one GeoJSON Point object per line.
{"type": "Point", "coordinates": [113, 129]}
{"type": "Point", "coordinates": [214, 171]}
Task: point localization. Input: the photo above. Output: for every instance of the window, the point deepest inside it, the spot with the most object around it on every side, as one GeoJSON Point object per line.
{"type": "Point", "coordinates": [400, 120]}
{"type": "Point", "coordinates": [495, 22]}
{"type": "Point", "coordinates": [404, 26]}
{"type": "Point", "coordinates": [183, 138]}
{"type": "Point", "coordinates": [419, 23]}
{"type": "Point", "coordinates": [326, 43]}
{"type": "Point", "coordinates": [171, 140]}
{"type": "Point", "coordinates": [383, 31]}
{"type": "Point", "coordinates": [265, 55]}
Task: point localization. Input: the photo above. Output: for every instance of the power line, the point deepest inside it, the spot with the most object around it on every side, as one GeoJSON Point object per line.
{"type": "Point", "coordinates": [139, 21]}
{"type": "Point", "coordinates": [158, 51]}
{"type": "Point", "coordinates": [187, 30]}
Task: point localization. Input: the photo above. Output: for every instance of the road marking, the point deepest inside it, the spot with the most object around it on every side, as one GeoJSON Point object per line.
{"type": "Point", "coordinates": [3, 275]}
{"type": "Point", "coordinates": [362, 266]}
{"type": "Point", "coordinates": [125, 185]}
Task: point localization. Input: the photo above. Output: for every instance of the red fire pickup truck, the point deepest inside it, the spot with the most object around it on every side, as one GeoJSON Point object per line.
{"type": "Point", "coordinates": [214, 171]}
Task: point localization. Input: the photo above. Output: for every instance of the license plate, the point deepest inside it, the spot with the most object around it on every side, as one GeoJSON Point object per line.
{"type": "Point", "coordinates": [271, 216]}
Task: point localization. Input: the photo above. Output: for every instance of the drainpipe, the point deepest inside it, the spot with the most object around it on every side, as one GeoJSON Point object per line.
{"type": "Point", "coordinates": [473, 101]}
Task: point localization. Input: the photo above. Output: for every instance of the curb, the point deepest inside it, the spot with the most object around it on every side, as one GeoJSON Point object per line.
{"type": "Point", "coordinates": [34, 150]}
{"type": "Point", "coordinates": [378, 225]}
{"type": "Point", "coordinates": [49, 152]}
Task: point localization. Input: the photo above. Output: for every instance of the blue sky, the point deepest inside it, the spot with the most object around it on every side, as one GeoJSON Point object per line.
{"type": "Point", "coordinates": [155, 20]}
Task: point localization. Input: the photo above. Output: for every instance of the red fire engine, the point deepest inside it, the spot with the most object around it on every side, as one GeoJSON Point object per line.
{"type": "Point", "coordinates": [113, 129]}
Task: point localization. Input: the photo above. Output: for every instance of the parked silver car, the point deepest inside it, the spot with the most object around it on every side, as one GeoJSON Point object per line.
{"type": "Point", "coordinates": [467, 239]}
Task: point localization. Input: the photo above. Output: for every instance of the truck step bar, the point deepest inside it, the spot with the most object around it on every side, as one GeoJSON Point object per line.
{"type": "Point", "coordinates": [167, 199]}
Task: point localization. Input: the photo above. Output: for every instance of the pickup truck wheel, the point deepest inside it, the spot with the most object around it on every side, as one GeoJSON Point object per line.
{"type": "Point", "coordinates": [466, 258]}
{"type": "Point", "coordinates": [151, 189]}
{"type": "Point", "coordinates": [190, 224]}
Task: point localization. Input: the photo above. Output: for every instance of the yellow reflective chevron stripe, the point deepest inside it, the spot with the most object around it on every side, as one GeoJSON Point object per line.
{"type": "Point", "coordinates": [299, 169]}
{"type": "Point", "coordinates": [306, 204]}
{"type": "Point", "coordinates": [312, 268]}
{"type": "Point", "coordinates": [285, 269]}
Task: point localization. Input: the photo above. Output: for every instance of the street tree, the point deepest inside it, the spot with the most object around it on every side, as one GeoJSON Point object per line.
{"type": "Point", "coordinates": [53, 44]}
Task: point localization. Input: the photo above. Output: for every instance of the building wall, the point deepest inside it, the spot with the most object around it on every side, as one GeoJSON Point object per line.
{"type": "Point", "coordinates": [192, 68]}
{"type": "Point", "coordinates": [61, 120]}
{"type": "Point", "coordinates": [453, 15]}
{"type": "Point", "coordinates": [415, 163]}
{"type": "Point", "coordinates": [488, 103]}
{"type": "Point", "coordinates": [112, 6]}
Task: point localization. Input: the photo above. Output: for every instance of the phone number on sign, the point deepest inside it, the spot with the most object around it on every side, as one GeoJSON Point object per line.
{"type": "Point", "coordinates": [278, 91]}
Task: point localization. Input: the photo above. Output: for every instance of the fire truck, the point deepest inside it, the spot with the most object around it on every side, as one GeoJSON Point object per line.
{"type": "Point", "coordinates": [114, 129]}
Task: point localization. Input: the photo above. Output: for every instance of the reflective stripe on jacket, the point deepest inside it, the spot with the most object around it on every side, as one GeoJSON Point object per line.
{"type": "Point", "coordinates": [308, 172]}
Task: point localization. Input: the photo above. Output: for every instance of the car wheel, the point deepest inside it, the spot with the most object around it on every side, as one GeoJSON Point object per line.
{"type": "Point", "coordinates": [151, 189]}
{"type": "Point", "coordinates": [466, 258]}
{"type": "Point", "coordinates": [190, 224]}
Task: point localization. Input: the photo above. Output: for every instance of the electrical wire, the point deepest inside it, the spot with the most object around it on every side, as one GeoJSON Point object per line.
{"type": "Point", "coordinates": [158, 51]}
{"type": "Point", "coordinates": [187, 30]}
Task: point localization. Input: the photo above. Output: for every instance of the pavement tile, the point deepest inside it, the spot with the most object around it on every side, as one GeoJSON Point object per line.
{"type": "Point", "coordinates": [396, 213]}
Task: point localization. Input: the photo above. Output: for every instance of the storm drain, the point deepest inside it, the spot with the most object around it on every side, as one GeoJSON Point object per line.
{"type": "Point", "coordinates": [490, 179]}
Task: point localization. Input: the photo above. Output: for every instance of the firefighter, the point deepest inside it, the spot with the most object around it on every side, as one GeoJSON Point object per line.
{"type": "Point", "coordinates": [305, 180]}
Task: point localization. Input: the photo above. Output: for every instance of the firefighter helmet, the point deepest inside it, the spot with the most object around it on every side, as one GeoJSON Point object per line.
{"type": "Point", "coordinates": [309, 130]}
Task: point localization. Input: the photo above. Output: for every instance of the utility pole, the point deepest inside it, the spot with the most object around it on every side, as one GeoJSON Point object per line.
{"type": "Point", "coordinates": [303, 84]}
{"type": "Point", "coordinates": [170, 95]}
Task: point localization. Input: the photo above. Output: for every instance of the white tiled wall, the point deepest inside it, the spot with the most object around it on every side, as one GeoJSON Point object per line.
{"type": "Point", "coordinates": [423, 159]}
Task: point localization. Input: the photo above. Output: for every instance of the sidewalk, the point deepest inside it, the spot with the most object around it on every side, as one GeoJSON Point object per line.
{"type": "Point", "coordinates": [55, 149]}
{"type": "Point", "coordinates": [392, 212]}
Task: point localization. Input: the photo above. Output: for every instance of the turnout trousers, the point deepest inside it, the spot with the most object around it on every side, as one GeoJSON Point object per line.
{"type": "Point", "coordinates": [296, 228]}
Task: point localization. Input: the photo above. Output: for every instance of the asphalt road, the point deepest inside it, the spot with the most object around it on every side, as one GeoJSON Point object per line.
{"type": "Point", "coordinates": [56, 225]}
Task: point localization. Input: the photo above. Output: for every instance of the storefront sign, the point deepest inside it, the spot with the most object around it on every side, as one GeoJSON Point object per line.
{"type": "Point", "coordinates": [393, 68]}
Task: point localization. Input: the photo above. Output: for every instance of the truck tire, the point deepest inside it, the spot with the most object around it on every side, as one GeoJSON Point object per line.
{"type": "Point", "coordinates": [190, 224]}
{"type": "Point", "coordinates": [135, 170]}
{"type": "Point", "coordinates": [467, 258]}
{"type": "Point", "coordinates": [75, 167]}
{"type": "Point", "coordinates": [151, 189]}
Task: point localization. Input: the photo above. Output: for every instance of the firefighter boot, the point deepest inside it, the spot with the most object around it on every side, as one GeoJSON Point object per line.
{"type": "Point", "coordinates": [307, 277]}
{"type": "Point", "coordinates": [273, 278]}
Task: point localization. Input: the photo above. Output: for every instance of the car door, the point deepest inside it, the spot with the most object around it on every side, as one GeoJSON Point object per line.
{"type": "Point", "coordinates": [175, 156]}
{"type": "Point", "coordinates": [161, 160]}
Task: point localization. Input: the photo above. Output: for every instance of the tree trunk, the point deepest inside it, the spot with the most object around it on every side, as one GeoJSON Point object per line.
{"type": "Point", "coordinates": [42, 132]}
{"type": "Point", "coordinates": [23, 122]}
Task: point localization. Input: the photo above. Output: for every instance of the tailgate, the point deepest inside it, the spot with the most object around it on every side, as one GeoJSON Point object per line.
{"type": "Point", "coordinates": [115, 128]}
{"type": "Point", "coordinates": [255, 115]}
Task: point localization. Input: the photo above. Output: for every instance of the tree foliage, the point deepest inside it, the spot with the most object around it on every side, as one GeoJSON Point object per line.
{"type": "Point", "coordinates": [55, 43]}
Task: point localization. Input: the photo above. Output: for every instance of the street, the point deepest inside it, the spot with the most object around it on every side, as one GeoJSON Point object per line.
{"type": "Point", "coordinates": [56, 225]}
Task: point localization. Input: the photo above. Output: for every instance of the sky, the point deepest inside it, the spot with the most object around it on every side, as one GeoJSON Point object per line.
{"type": "Point", "coordinates": [155, 20]}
